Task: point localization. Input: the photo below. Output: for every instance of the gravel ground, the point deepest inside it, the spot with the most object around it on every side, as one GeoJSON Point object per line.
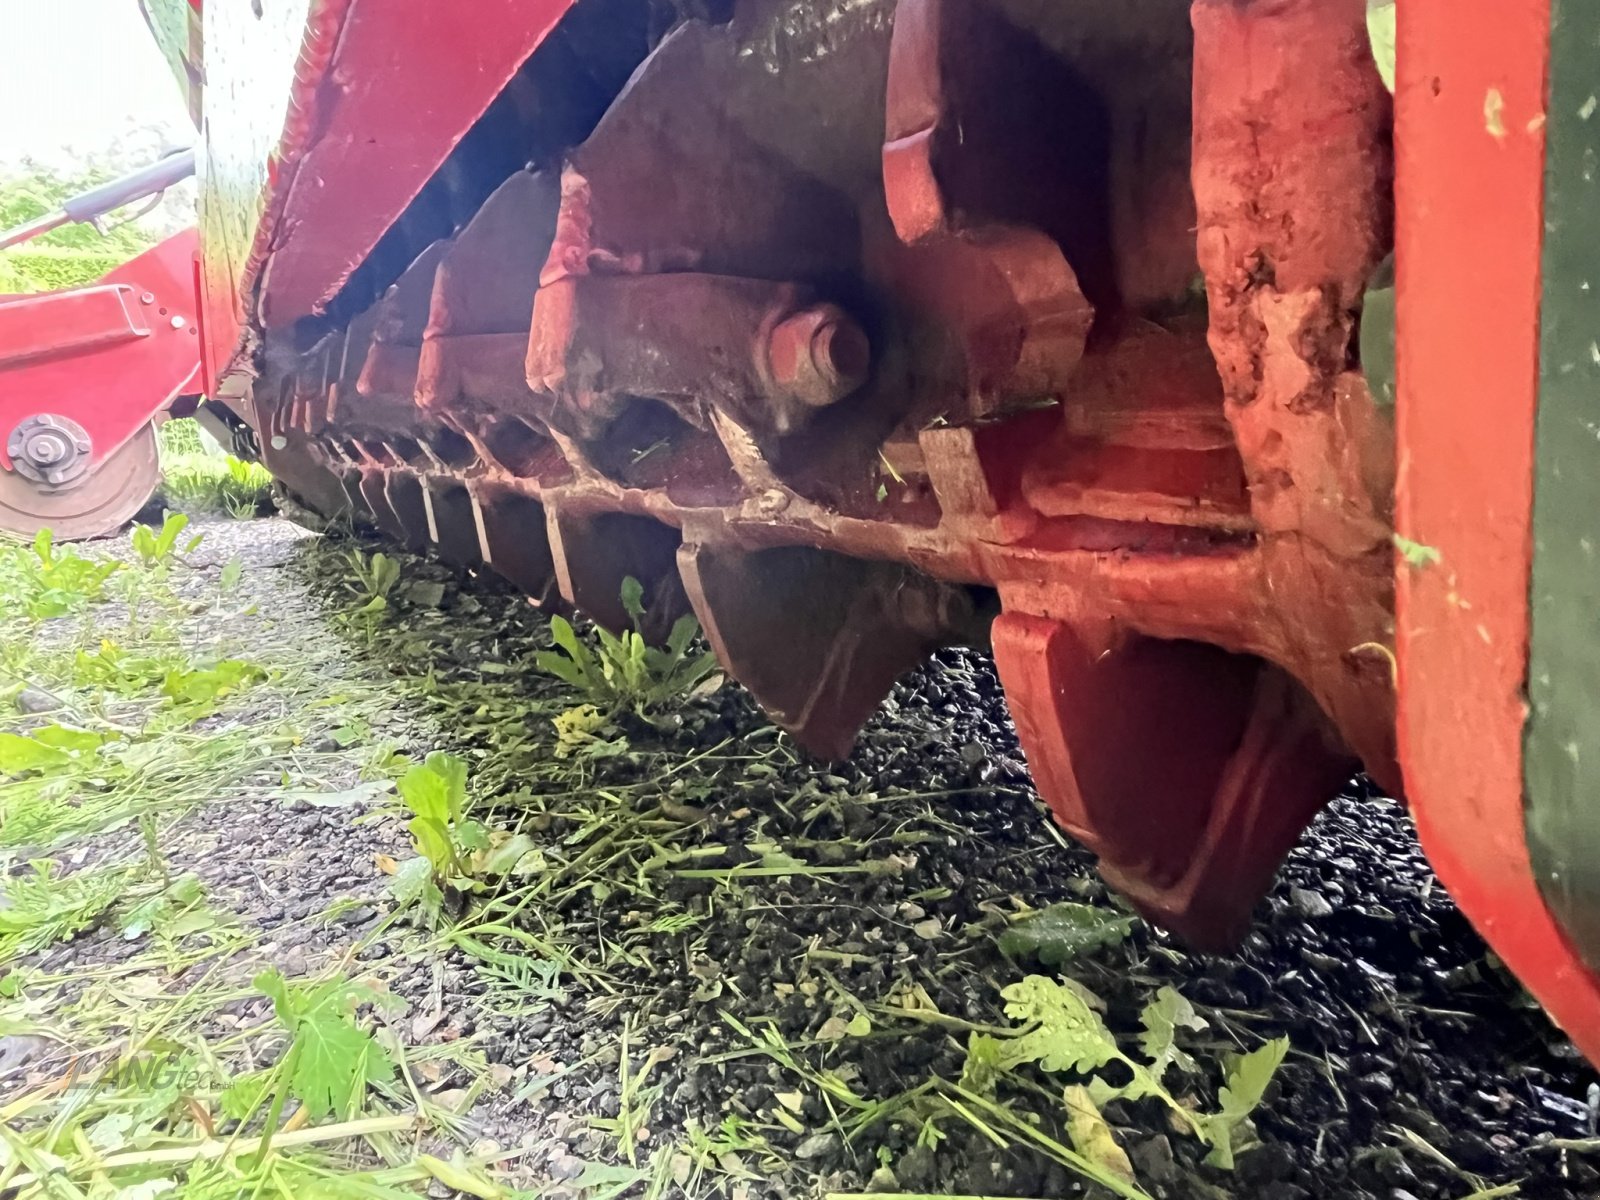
{"type": "Point", "coordinates": [1417, 1068]}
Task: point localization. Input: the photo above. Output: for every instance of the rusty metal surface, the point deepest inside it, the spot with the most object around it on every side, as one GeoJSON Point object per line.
{"type": "Point", "coordinates": [851, 325]}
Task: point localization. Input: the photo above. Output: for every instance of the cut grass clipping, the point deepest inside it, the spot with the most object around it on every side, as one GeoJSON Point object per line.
{"type": "Point", "coordinates": [149, 1084]}
{"type": "Point", "coordinates": [129, 1074]}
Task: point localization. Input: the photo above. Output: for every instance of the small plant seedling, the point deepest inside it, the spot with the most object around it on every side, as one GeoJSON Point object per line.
{"type": "Point", "coordinates": [45, 581]}
{"type": "Point", "coordinates": [454, 851]}
{"type": "Point", "coordinates": [623, 670]}
{"type": "Point", "coordinates": [157, 549]}
{"type": "Point", "coordinates": [244, 488]}
{"type": "Point", "coordinates": [331, 1060]}
{"type": "Point", "coordinates": [1062, 1032]}
{"type": "Point", "coordinates": [376, 575]}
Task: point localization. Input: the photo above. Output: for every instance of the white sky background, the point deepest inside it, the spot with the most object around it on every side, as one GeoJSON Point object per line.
{"type": "Point", "coordinates": [77, 77]}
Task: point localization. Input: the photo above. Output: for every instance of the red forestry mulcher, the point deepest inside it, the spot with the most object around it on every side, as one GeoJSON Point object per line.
{"type": "Point", "coordinates": [1245, 409]}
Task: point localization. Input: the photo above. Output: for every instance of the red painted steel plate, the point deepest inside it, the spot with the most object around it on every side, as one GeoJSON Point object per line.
{"type": "Point", "coordinates": [110, 356]}
{"type": "Point", "coordinates": [1470, 141]}
{"type": "Point", "coordinates": [381, 91]}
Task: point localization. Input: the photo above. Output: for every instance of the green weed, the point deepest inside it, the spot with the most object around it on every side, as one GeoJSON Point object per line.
{"type": "Point", "coordinates": [330, 1061]}
{"type": "Point", "coordinates": [1061, 1048]}
{"type": "Point", "coordinates": [375, 576]}
{"type": "Point", "coordinates": [1062, 1032]}
{"type": "Point", "coordinates": [44, 580]}
{"type": "Point", "coordinates": [623, 670]}
{"type": "Point", "coordinates": [158, 547]}
{"type": "Point", "coordinates": [40, 908]}
{"type": "Point", "coordinates": [455, 852]}
{"type": "Point", "coordinates": [196, 691]}
{"type": "Point", "coordinates": [58, 798]}
{"type": "Point", "coordinates": [204, 479]}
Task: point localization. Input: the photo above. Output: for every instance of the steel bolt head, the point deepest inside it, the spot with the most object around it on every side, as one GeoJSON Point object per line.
{"type": "Point", "coordinates": [840, 353]}
{"type": "Point", "coordinates": [46, 449]}
{"type": "Point", "coordinates": [819, 355]}
{"type": "Point", "coordinates": [49, 448]}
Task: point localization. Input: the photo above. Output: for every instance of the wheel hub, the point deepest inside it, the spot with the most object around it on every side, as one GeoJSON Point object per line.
{"type": "Point", "coordinates": [54, 485]}
{"type": "Point", "coordinates": [50, 449]}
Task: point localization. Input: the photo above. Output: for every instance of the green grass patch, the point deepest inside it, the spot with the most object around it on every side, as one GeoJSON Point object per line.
{"type": "Point", "coordinates": [198, 477]}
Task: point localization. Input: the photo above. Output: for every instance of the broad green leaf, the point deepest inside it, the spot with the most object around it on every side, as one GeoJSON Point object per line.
{"type": "Point", "coordinates": [69, 738]}
{"type": "Point", "coordinates": [411, 882]}
{"type": "Point", "coordinates": [562, 633]}
{"type": "Point", "coordinates": [1064, 1034]}
{"type": "Point", "coordinates": [203, 687]}
{"type": "Point", "coordinates": [19, 754]}
{"type": "Point", "coordinates": [500, 857]}
{"type": "Point", "coordinates": [471, 835]}
{"type": "Point", "coordinates": [453, 771]}
{"type": "Point", "coordinates": [334, 1059]}
{"type": "Point", "coordinates": [137, 921]}
{"type": "Point", "coordinates": [1064, 932]}
{"type": "Point", "coordinates": [982, 1068]}
{"type": "Point", "coordinates": [433, 843]}
{"type": "Point", "coordinates": [426, 791]}
{"type": "Point", "coordinates": [612, 649]}
{"type": "Point", "coordinates": [562, 668]}
{"type": "Point", "coordinates": [683, 632]}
